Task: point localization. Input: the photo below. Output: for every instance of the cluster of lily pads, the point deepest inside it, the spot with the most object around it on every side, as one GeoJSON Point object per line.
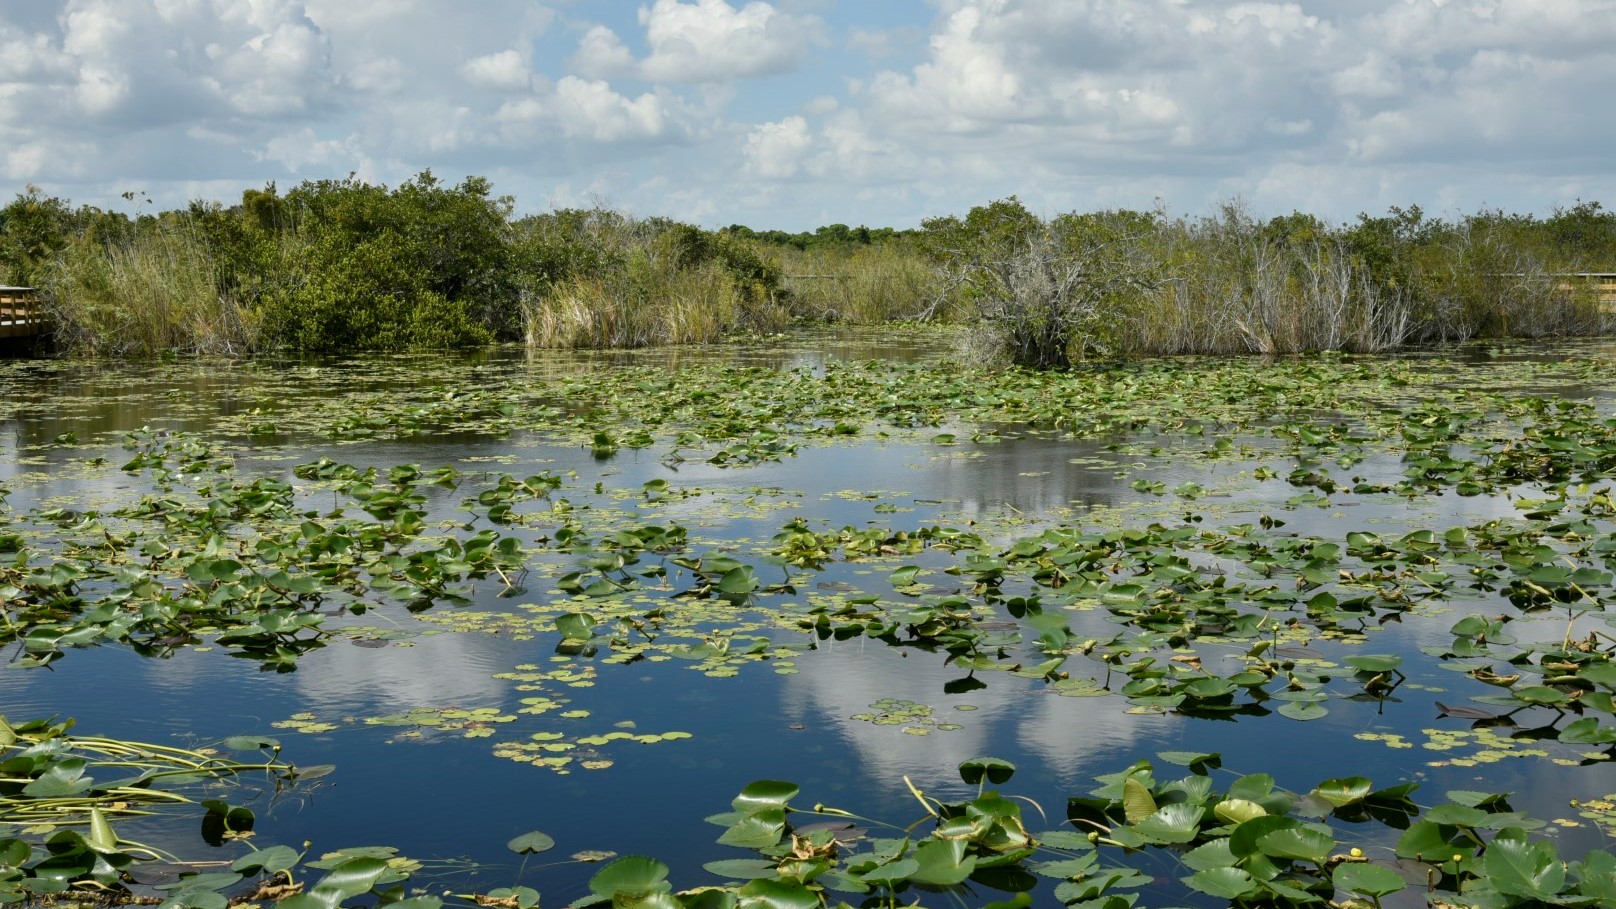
{"type": "Point", "coordinates": [1249, 843]}
{"type": "Point", "coordinates": [1213, 621]}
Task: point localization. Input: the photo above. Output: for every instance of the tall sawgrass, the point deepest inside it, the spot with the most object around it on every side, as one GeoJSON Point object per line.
{"type": "Point", "coordinates": [864, 284]}
{"type": "Point", "coordinates": [156, 291]}
{"type": "Point", "coordinates": [638, 309]}
{"type": "Point", "coordinates": [609, 280]}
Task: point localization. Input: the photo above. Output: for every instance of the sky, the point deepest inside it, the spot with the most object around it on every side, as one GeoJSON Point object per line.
{"type": "Point", "coordinates": [792, 114]}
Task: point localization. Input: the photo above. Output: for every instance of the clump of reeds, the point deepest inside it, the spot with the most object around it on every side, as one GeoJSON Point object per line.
{"type": "Point", "coordinates": [157, 291]}
{"type": "Point", "coordinates": [621, 311]}
{"type": "Point", "coordinates": [608, 280]}
{"type": "Point", "coordinates": [864, 284]}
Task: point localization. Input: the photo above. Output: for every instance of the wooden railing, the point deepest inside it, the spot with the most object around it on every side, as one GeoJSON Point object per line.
{"type": "Point", "coordinates": [20, 313]}
{"type": "Point", "coordinates": [1603, 285]}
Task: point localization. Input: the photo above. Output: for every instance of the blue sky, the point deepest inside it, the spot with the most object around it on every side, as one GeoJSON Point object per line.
{"type": "Point", "coordinates": [796, 113]}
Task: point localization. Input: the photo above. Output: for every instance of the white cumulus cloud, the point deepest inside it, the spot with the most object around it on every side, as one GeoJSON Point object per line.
{"type": "Point", "coordinates": [601, 54]}
{"type": "Point", "coordinates": [505, 71]}
{"type": "Point", "coordinates": [799, 112]}
{"type": "Point", "coordinates": [591, 109]}
{"type": "Point", "coordinates": [712, 41]}
{"type": "Point", "coordinates": [775, 150]}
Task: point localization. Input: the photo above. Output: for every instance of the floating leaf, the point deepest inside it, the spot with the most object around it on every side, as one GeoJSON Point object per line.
{"type": "Point", "coordinates": [1371, 880]}
{"type": "Point", "coordinates": [576, 626]}
{"type": "Point", "coordinates": [531, 842]}
{"type": "Point", "coordinates": [1303, 710]}
{"type": "Point", "coordinates": [1298, 843]}
{"type": "Point", "coordinates": [630, 876]}
{"type": "Point", "coordinates": [1172, 824]}
{"type": "Point", "coordinates": [1195, 760]}
{"type": "Point", "coordinates": [942, 863]}
{"type": "Point", "coordinates": [764, 794]}
{"type": "Point", "coordinates": [1374, 662]}
{"type": "Point", "coordinates": [741, 869]}
{"type": "Point", "coordinates": [1224, 883]}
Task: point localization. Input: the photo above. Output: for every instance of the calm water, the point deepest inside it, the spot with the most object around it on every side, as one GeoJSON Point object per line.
{"type": "Point", "coordinates": [439, 795]}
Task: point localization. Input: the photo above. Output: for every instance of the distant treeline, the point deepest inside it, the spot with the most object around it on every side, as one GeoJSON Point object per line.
{"type": "Point", "coordinates": [342, 265]}
{"type": "Point", "coordinates": [831, 235]}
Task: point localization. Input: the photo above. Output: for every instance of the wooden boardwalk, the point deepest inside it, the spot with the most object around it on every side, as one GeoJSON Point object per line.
{"type": "Point", "coordinates": [21, 316]}
{"type": "Point", "coordinates": [1602, 283]}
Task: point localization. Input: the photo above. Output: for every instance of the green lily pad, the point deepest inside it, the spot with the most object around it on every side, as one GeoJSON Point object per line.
{"type": "Point", "coordinates": [1371, 880]}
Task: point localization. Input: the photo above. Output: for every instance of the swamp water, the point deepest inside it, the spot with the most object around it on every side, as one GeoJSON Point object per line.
{"type": "Point", "coordinates": [598, 596]}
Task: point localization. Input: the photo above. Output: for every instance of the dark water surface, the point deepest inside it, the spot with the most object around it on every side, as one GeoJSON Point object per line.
{"type": "Point", "coordinates": [439, 795]}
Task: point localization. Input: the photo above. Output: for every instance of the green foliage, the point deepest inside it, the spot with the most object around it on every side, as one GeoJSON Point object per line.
{"type": "Point", "coordinates": [343, 265]}
{"type": "Point", "coordinates": [33, 228]}
{"type": "Point", "coordinates": [368, 294]}
{"type": "Point", "coordinates": [425, 265]}
{"type": "Point", "coordinates": [831, 237]}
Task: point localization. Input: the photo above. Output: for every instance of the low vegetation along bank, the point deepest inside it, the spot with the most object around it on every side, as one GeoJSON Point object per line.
{"type": "Point", "coordinates": [341, 265]}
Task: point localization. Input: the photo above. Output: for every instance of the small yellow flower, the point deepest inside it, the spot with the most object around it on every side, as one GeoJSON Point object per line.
{"type": "Point", "coordinates": [1457, 857]}
{"type": "Point", "coordinates": [1356, 852]}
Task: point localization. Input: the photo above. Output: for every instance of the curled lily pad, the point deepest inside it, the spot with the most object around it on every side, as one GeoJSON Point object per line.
{"type": "Point", "coordinates": [1344, 791]}
{"type": "Point", "coordinates": [996, 770]}
{"type": "Point", "coordinates": [1238, 811]}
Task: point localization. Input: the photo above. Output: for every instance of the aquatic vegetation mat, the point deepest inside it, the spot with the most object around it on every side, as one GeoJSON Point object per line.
{"type": "Point", "coordinates": [1250, 842]}
{"type": "Point", "coordinates": [1402, 563]}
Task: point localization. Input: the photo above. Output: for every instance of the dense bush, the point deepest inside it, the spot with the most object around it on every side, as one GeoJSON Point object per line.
{"type": "Point", "coordinates": [34, 229]}
{"type": "Point", "coordinates": [1044, 291]}
{"type": "Point", "coordinates": [423, 265]}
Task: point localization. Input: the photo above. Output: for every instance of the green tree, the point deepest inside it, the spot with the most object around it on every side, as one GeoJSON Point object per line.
{"type": "Point", "coordinates": [33, 229]}
{"type": "Point", "coordinates": [425, 265]}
